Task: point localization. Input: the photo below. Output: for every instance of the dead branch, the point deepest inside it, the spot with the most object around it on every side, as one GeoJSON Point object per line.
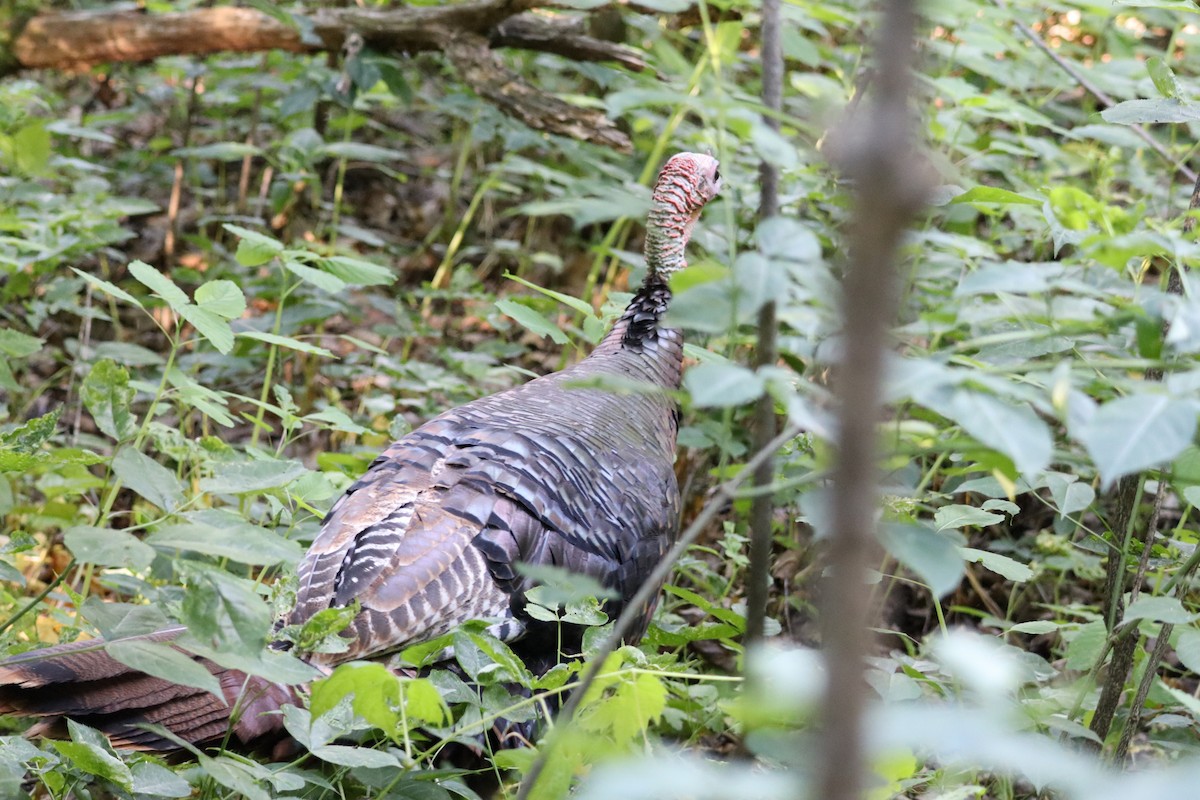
{"type": "Point", "coordinates": [79, 40]}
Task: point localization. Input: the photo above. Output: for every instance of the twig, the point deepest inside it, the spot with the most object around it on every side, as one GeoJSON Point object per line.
{"type": "Point", "coordinates": [876, 150]}
{"type": "Point", "coordinates": [762, 507]}
{"type": "Point", "coordinates": [1095, 91]}
{"type": "Point", "coordinates": [634, 608]}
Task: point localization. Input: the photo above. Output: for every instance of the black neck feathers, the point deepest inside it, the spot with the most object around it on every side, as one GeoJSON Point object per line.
{"type": "Point", "coordinates": [643, 314]}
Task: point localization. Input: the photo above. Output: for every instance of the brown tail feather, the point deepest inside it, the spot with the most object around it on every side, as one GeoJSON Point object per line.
{"type": "Point", "coordinates": [81, 681]}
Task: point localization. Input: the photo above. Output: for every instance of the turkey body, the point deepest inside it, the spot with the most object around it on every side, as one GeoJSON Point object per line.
{"type": "Point", "coordinates": [557, 471]}
{"type": "Point", "coordinates": [546, 473]}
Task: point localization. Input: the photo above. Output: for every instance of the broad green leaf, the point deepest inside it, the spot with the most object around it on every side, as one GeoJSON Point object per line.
{"type": "Point", "coordinates": [357, 272]}
{"type": "Point", "coordinates": [771, 146]}
{"type": "Point", "coordinates": [18, 345]}
{"type": "Point", "coordinates": [154, 780]}
{"type": "Point", "coordinates": [222, 298]}
{"type": "Point", "coordinates": [224, 612]}
{"type": "Point", "coordinates": [345, 756]}
{"type": "Point", "coordinates": [339, 420]}
{"type": "Point", "coordinates": [254, 248]}
{"type": "Point", "coordinates": [234, 775]}
{"type": "Point", "coordinates": [30, 437]}
{"type": "Point", "coordinates": [374, 689]}
{"type": "Point", "coordinates": [221, 151]}
{"type": "Point", "coordinates": [934, 558]}
{"type": "Point", "coordinates": [1164, 79]}
{"type": "Point", "coordinates": [1136, 112]}
{"type": "Point", "coordinates": [363, 152]}
{"type": "Point", "coordinates": [716, 385]}
{"type": "Point", "coordinates": [1036, 626]}
{"type": "Point", "coordinates": [106, 394]}
{"type": "Point", "coordinates": [148, 478]}
{"type": "Point", "coordinates": [164, 661]}
{"type": "Point", "coordinates": [960, 516]}
{"type": "Point", "coordinates": [159, 284]}
{"type": "Point", "coordinates": [1015, 431]}
{"type": "Point", "coordinates": [31, 144]}
{"type": "Point", "coordinates": [107, 547]}
{"type": "Point", "coordinates": [532, 320]}
{"type": "Point", "coordinates": [624, 713]}
{"type": "Point", "coordinates": [317, 277]}
{"type": "Point", "coordinates": [1159, 609]}
{"type": "Point", "coordinates": [1086, 645]}
{"type": "Point", "coordinates": [1133, 433]}
{"type": "Point", "coordinates": [1007, 568]}
{"type": "Point", "coordinates": [1187, 648]}
{"type": "Point", "coordinates": [244, 477]}
{"type": "Point", "coordinates": [212, 327]}
{"type": "Point", "coordinates": [88, 752]}
{"type": "Point", "coordinates": [288, 342]}
{"type": "Point", "coordinates": [994, 195]}
{"type": "Point", "coordinates": [245, 543]}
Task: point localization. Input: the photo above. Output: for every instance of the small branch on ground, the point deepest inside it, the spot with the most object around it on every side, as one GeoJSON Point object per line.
{"type": "Point", "coordinates": [875, 148]}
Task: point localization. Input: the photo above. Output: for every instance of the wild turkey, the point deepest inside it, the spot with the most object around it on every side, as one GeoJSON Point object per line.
{"type": "Point", "coordinates": [431, 536]}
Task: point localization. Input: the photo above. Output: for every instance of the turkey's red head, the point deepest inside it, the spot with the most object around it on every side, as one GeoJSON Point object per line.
{"type": "Point", "coordinates": [687, 182]}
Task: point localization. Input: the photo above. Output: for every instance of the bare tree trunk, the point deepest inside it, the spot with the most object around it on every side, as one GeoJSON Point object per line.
{"type": "Point", "coordinates": [878, 153]}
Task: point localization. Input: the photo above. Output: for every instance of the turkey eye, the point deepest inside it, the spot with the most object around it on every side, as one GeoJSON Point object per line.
{"type": "Point", "coordinates": [716, 175]}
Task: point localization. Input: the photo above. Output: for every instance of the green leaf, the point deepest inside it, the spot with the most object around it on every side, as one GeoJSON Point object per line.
{"type": "Point", "coordinates": [346, 756]}
{"type": "Point", "coordinates": [18, 345]}
{"type": "Point", "coordinates": [1005, 567]}
{"type": "Point", "coordinates": [106, 394]}
{"type": "Point", "coordinates": [1187, 648]}
{"type": "Point", "coordinates": [30, 437]}
{"type": "Point", "coordinates": [1015, 431]}
{"type": "Point", "coordinates": [148, 478]}
{"type": "Point", "coordinates": [88, 752]}
{"type": "Point", "coordinates": [1133, 433]}
{"type": "Point", "coordinates": [31, 144]}
{"type": "Point", "coordinates": [166, 662]}
{"type": "Point", "coordinates": [339, 420]}
{"type": "Point", "coordinates": [960, 516]}
{"type": "Point", "coordinates": [317, 277]}
{"type": "Point", "coordinates": [993, 195]}
{"type": "Point", "coordinates": [1159, 609]}
{"type": "Point", "coordinates": [1164, 79]}
{"type": "Point", "coordinates": [582, 306]}
{"type": "Point", "coordinates": [1136, 112]}
{"type": "Point", "coordinates": [288, 342]}
{"type": "Point", "coordinates": [244, 477]}
{"type": "Point", "coordinates": [107, 547]}
{"type": "Point", "coordinates": [374, 689]}
{"type": "Point", "coordinates": [159, 284]}
{"type": "Point", "coordinates": [222, 298]}
{"type": "Point", "coordinates": [357, 272]}
{"type": "Point", "coordinates": [254, 248]}
{"type": "Point", "coordinates": [221, 151]}
{"type": "Point", "coordinates": [212, 327]}
{"type": "Point", "coordinates": [362, 152]}
{"type": "Point", "coordinates": [532, 320]}
{"type": "Point", "coordinates": [155, 780]}
{"type": "Point", "coordinates": [1036, 626]}
{"type": "Point", "coordinates": [234, 775]}
{"type": "Point", "coordinates": [933, 557]}
{"type": "Point", "coordinates": [245, 543]}
{"type": "Point", "coordinates": [1086, 645]}
{"type": "Point", "coordinates": [717, 385]}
